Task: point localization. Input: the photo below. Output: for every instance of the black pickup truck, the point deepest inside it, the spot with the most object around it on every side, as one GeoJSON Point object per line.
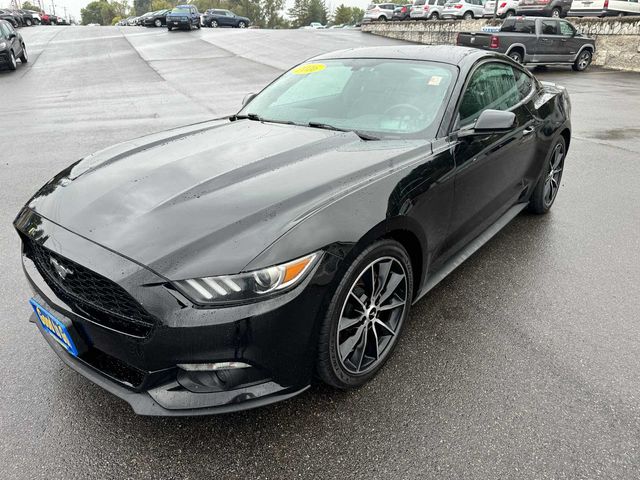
{"type": "Point", "coordinates": [536, 40]}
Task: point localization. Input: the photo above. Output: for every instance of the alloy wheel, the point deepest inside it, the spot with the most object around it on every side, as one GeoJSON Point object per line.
{"type": "Point", "coordinates": [583, 60]}
{"type": "Point", "coordinates": [552, 181]}
{"type": "Point", "coordinates": [555, 13]}
{"type": "Point", "coordinates": [241, 25]}
{"type": "Point", "coordinates": [13, 64]}
{"type": "Point", "coordinates": [158, 23]}
{"type": "Point", "coordinates": [371, 315]}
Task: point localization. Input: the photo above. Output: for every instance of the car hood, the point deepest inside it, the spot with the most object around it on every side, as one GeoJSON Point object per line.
{"type": "Point", "coordinates": [206, 199]}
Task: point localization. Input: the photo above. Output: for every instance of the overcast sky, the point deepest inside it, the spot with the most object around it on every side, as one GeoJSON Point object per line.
{"type": "Point", "coordinates": [74, 6]}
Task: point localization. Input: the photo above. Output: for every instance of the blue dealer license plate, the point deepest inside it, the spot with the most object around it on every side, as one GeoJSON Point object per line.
{"type": "Point", "coordinates": [55, 328]}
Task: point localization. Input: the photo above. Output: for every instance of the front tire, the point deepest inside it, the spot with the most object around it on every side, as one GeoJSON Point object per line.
{"type": "Point", "coordinates": [556, 12]}
{"type": "Point", "coordinates": [365, 316]}
{"type": "Point", "coordinates": [583, 61]}
{"type": "Point", "coordinates": [214, 24]}
{"type": "Point", "coordinates": [169, 28]}
{"type": "Point", "coordinates": [242, 25]}
{"type": "Point", "coordinates": [544, 194]}
{"type": "Point", "coordinates": [12, 61]}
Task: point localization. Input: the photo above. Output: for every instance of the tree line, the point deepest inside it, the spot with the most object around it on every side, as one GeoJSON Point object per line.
{"type": "Point", "coordinates": [263, 13]}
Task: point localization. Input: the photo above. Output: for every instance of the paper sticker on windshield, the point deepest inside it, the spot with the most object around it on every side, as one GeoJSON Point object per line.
{"type": "Point", "coordinates": [308, 68]}
{"type": "Point", "coordinates": [435, 80]}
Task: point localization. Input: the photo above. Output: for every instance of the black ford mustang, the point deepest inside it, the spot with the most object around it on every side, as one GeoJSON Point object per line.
{"type": "Point", "coordinates": [219, 266]}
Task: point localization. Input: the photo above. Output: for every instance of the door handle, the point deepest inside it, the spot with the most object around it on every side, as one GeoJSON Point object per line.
{"type": "Point", "coordinates": [528, 131]}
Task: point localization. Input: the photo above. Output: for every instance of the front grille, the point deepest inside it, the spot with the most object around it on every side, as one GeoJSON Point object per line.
{"type": "Point", "coordinates": [90, 294]}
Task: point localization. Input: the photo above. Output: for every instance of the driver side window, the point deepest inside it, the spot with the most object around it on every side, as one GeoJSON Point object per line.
{"type": "Point", "coordinates": [492, 86]}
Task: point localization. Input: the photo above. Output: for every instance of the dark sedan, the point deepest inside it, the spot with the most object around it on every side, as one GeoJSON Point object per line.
{"type": "Point", "coordinates": [402, 12]}
{"type": "Point", "coordinates": [224, 18]}
{"type": "Point", "coordinates": [12, 17]}
{"type": "Point", "coordinates": [222, 265]}
{"type": "Point", "coordinates": [156, 19]}
{"type": "Point", "coordinates": [12, 46]}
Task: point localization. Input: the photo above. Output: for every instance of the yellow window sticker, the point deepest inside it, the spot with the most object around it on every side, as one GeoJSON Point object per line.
{"type": "Point", "coordinates": [435, 80]}
{"type": "Point", "coordinates": [308, 68]}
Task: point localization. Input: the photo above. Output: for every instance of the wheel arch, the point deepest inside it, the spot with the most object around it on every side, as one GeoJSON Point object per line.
{"type": "Point", "coordinates": [519, 47]}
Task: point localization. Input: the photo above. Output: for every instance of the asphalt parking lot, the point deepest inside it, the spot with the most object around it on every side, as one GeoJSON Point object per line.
{"type": "Point", "coordinates": [524, 363]}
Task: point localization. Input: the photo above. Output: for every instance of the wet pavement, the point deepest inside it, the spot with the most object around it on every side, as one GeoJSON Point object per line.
{"type": "Point", "coordinates": [524, 363]}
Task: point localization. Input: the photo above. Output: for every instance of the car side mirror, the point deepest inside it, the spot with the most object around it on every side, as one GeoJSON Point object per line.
{"type": "Point", "coordinates": [247, 98]}
{"type": "Point", "coordinates": [490, 121]}
{"type": "Point", "coordinates": [12, 36]}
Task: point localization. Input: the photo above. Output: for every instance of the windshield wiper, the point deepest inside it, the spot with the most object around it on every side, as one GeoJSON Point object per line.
{"type": "Point", "coordinates": [258, 118]}
{"type": "Point", "coordinates": [326, 126]}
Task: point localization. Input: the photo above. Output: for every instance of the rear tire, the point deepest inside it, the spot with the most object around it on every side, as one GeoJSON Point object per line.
{"type": "Point", "coordinates": [516, 56]}
{"type": "Point", "coordinates": [583, 61]}
{"type": "Point", "coordinates": [158, 23]}
{"type": "Point", "coordinates": [28, 22]}
{"type": "Point", "coordinates": [510, 13]}
{"type": "Point", "coordinates": [169, 28]}
{"type": "Point", "coordinates": [468, 15]}
{"type": "Point", "coordinates": [556, 13]}
{"type": "Point", "coordinates": [214, 24]}
{"type": "Point", "coordinates": [545, 191]}
{"type": "Point", "coordinates": [434, 16]}
{"type": "Point", "coordinates": [24, 56]}
{"type": "Point", "coordinates": [382, 18]}
{"type": "Point", "coordinates": [366, 314]}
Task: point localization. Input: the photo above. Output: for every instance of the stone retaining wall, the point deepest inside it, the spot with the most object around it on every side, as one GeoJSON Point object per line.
{"type": "Point", "coordinates": [617, 39]}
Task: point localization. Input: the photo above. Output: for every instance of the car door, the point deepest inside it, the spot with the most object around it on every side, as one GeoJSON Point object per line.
{"type": "Point", "coordinates": [491, 168]}
{"type": "Point", "coordinates": [569, 43]}
{"type": "Point", "coordinates": [548, 47]}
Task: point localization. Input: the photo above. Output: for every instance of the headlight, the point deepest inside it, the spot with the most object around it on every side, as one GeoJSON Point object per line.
{"type": "Point", "coordinates": [249, 286]}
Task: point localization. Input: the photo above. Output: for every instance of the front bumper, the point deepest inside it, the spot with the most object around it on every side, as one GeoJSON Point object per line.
{"type": "Point", "coordinates": [277, 337]}
{"type": "Point", "coordinates": [178, 22]}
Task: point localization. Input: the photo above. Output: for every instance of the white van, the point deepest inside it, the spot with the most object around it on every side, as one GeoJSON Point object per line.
{"type": "Point", "coordinates": [604, 8]}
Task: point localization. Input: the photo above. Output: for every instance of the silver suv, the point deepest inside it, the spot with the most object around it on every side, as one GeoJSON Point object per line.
{"type": "Point", "coordinates": [379, 11]}
{"type": "Point", "coordinates": [431, 9]}
{"type": "Point", "coordinates": [465, 9]}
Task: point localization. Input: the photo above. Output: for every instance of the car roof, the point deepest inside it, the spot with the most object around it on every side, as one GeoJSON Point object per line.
{"type": "Point", "coordinates": [450, 54]}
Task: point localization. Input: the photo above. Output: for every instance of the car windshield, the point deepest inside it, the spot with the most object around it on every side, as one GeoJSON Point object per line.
{"type": "Point", "coordinates": [180, 10]}
{"type": "Point", "coordinates": [384, 98]}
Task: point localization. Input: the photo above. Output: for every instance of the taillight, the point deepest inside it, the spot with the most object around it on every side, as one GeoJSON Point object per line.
{"type": "Point", "coordinates": [606, 3]}
{"type": "Point", "coordinates": [403, 9]}
{"type": "Point", "coordinates": [458, 6]}
{"type": "Point", "coordinates": [426, 8]}
{"type": "Point", "coordinates": [495, 42]}
{"type": "Point", "coordinates": [503, 4]}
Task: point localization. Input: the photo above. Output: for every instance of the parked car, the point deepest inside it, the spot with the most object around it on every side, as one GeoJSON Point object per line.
{"type": "Point", "coordinates": [463, 9]}
{"type": "Point", "coordinates": [357, 208]}
{"type": "Point", "coordinates": [604, 8]}
{"type": "Point", "coordinates": [224, 18]}
{"type": "Point", "coordinates": [12, 46]}
{"type": "Point", "coordinates": [402, 12]}
{"type": "Point", "coordinates": [544, 8]}
{"type": "Point", "coordinates": [506, 8]}
{"type": "Point", "coordinates": [183, 16]}
{"type": "Point", "coordinates": [379, 11]}
{"type": "Point", "coordinates": [46, 19]}
{"type": "Point", "coordinates": [26, 18]}
{"type": "Point", "coordinates": [11, 17]}
{"type": "Point", "coordinates": [156, 19]}
{"type": "Point", "coordinates": [61, 21]}
{"type": "Point", "coordinates": [430, 9]}
{"type": "Point", "coordinates": [36, 16]}
{"type": "Point", "coordinates": [536, 40]}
